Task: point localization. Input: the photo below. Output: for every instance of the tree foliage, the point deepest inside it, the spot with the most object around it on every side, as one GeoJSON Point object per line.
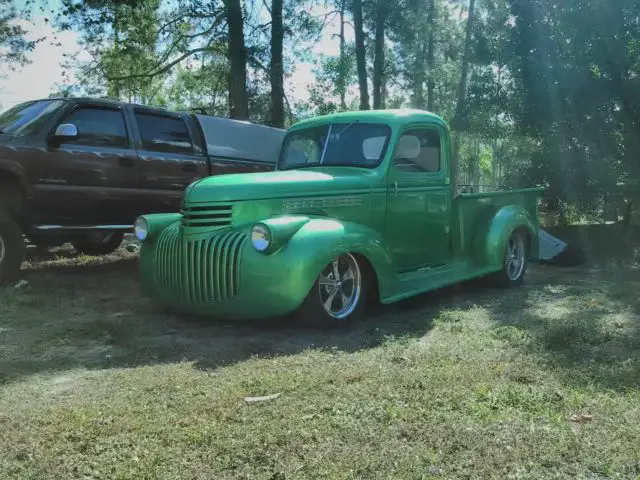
{"type": "Point", "coordinates": [538, 92]}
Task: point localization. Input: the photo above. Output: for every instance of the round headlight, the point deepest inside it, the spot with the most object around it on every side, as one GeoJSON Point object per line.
{"type": "Point", "coordinates": [141, 229]}
{"type": "Point", "coordinates": [260, 237]}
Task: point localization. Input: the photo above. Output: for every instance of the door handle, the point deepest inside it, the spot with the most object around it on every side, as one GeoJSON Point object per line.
{"type": "Point", "coordinates": [189, 167]}
{"type": "Point", "coordinates": [126, 161]}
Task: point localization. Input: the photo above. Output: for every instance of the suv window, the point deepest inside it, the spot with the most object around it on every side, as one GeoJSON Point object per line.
{"type": "Point", "coordinates": [418, 151]}
{"type": "Point", "coordinates": [160, 133]}
{"type": "Point", "coordinates": [98, 127]}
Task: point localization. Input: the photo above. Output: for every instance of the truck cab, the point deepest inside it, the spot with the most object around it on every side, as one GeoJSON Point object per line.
{"type": "Point", "coordinates": [360, 208]}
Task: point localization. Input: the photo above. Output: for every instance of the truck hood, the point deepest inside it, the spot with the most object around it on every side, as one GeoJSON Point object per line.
{"type": "Point", "coordinates": [279, 184]}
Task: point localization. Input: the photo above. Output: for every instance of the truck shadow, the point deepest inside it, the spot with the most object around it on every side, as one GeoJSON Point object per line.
{"type": "Point", "coordinates": [95, 317]}
{"type": "Point", "coordinates": [582, 322]}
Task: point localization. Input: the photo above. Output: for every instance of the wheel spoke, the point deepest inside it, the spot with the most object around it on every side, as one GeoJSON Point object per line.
{"type": "Point", "coordinates": [328, 304]}
{"type": "Point", "coordinates": [326, 281]}
{"type": "Point", "coordinates": [344, 299]}
{"type": "Point", "coordinates": [336, 272]}
{"type": "Point", "coordinates": [348, 276]}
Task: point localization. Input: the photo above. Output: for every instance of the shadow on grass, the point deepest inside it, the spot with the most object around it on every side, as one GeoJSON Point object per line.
{"type": "Point", "coordinates": [587, 331]}
{"type": "Point", "coordinates": [96, 317]}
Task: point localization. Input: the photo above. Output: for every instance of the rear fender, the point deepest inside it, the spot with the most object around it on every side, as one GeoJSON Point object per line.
{"type": "Point", "coordinates": [491, 241]}
{"type": "Point", "coordinates": [320, 240]}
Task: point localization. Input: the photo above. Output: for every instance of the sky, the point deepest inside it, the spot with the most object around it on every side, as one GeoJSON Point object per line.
{"type": "Point", "coordinates": [39, 78]}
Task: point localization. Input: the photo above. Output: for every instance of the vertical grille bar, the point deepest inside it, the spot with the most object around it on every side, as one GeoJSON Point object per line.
{"type": "Point", "coordinates": [195, 270]}
{"type": "Point", "coordinates": [222, 264]}
{"type": "Point", "coordinates": [199, 271]}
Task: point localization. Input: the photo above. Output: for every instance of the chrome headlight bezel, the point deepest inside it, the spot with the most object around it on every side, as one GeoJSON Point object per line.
{"type": "Point", "coordinates": [141, 229]}
{"type": "Point", "coordinates": [261, 237]}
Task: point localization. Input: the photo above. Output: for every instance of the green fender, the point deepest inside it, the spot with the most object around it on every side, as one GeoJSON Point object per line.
{"type": "Point", "coordinates": [490, 242]}
{"type": "Point", "coordinates": [319, 240]}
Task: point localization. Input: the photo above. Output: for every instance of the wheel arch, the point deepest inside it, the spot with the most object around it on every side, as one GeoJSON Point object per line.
{"type": "Point", "coordinates": [317, 246]}
{"type": "Point", "coordinates": [491, 243]}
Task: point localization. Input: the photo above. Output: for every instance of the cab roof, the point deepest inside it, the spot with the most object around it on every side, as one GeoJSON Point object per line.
{"type": "Point", "coordinates": [391, 117]}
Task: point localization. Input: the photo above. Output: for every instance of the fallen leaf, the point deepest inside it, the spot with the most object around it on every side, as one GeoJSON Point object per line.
{"type": "Point", "coordinates": [583, 417]}
{"type": "Point", "coordinates": [21, 284]}
{"type": "Point", "coordinates": [262, 399]}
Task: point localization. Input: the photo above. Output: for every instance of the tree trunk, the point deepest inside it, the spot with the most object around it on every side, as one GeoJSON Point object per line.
{"type": "Point", "coordinates": [277, 68]}
{"type": "Point", "coordinates": [378, 61]}
{"type": "Point", "coordinates": [431, 56]}
{"type": "Point", "coordinates": [342, 77]}
{"type": "Point", "coordinates": [360, 55]}
{"type": "Point", "coordinates": [238, 98]}
{"type": "Point", "coordinates": [461, 93]}
{"type": "Point", "coordinates": [418, 79]}
{"type": "Point", "coordinates": [113, 89]}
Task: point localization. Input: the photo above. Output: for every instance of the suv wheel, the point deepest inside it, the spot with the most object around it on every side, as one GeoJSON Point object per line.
{"type": "Point", "coordinates": [11, 251]}
{"type": "Point", "coordinates": [98, 243]}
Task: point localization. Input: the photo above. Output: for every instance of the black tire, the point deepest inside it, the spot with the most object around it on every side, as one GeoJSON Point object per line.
{"type": "Point", "coordinates": [98, 243]}
{"type": "Point", "coordinates": [313, 313]}
{"type": "Point", "coordinates": [514, 268]}
{"type": "Point", "coordinates": [11, 250]}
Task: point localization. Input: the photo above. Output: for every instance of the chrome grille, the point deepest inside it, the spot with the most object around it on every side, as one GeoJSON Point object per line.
{"type": "Point", "coordinates": [213, 216]}
{"type": "Point", "coordinates": [199, 271]}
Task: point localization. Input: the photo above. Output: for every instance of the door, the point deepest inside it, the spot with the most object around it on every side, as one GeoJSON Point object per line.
{"type": "Point", "coordinates": [169, 160]}
{"type": "Point", "coordinates": [91, 179]}
{"type": "Point", "coordinates": [418, 218]}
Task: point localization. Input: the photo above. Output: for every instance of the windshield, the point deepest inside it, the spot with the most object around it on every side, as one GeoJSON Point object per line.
{"type": "Point", "coordinates": [348, 145]}
{"type": "Point", "coordinates": [28, 117]}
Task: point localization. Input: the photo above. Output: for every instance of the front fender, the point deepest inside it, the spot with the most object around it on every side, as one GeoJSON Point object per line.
{"type": "Point", "coordinates": [490, 242]}
{"type": "Point", "coordinates": [314, 245]}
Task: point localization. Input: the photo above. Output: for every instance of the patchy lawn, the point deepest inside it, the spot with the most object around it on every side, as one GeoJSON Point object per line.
{"type": "Point", "coordinates": [471, 382]}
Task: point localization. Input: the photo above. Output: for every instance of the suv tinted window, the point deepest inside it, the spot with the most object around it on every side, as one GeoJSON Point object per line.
{"type": "Point", "coordinates": [418, 151]}
{"type": "Point", "coordinates": [27, 118]}
{"type": "Point", "coordinates": [98, 126]}
{"type": "Point", "coordinates": [163, 134]}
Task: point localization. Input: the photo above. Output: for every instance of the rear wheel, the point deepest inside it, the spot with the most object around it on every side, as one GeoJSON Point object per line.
{"type": "Point", "coordinates": [515, 261]}
{"type": "Point", "coordinates": [11, 251]}
{"type": "Point", "coordinates": [338, 295]}
{"type": "Point", "coordinates": [98, 243]}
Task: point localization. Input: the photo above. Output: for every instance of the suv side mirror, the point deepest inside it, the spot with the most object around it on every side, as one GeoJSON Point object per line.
{"type": "Point", "coordinates": [66, 131]}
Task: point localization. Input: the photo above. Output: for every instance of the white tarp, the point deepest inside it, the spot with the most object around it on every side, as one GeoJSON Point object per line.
{"type": "Point", "coordinates": [241, 140]}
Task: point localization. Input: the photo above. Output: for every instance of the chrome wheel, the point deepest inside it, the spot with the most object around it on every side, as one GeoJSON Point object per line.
{"type": "Point", "coordinates": [340, 286]}
{"type": "Point", "coordinates": [515, 257]}
{"type": "Point", "coordinates": [2, 249]}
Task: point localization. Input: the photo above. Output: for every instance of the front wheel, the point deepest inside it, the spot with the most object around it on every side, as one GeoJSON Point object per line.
{"type": "Point", "coordinates": [514, 263]}
{"type": "Point", "coordinates": [98, 243]}
{"type": "Point", "coordinates": [11, 251]}
{"type": "Point", "coordinates": [338, 295]}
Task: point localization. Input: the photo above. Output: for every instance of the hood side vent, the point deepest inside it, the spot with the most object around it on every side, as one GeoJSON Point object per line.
{"type": "Point", "coordinates": [212, 216]}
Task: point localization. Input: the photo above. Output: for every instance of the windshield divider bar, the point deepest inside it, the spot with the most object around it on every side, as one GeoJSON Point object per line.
{"type": "Point", "coordinates": [326, 144]}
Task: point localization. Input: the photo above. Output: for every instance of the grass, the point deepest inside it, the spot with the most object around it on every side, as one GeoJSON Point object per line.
{"type": "Point", "coordinates": [470, 382]}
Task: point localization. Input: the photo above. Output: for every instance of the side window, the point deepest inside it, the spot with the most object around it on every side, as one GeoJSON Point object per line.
{"type": "Point", "coordinates": [301, 150]}
{"type": "Point", "coordinates": [418, 151]}
{"type": "Point", "coordinates": [98, 127]}
{"type": "Point", "coordinates": [163, 134]}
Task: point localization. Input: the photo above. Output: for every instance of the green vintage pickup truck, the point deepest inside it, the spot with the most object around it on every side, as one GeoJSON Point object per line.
{"type": "Point", "coordinates": [360, 209]}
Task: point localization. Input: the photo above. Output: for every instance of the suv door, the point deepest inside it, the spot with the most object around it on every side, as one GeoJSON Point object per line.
{"type": "Point", "coordinates": [91, 179]}
{"type": "Point", "coordinates": [170, 159]}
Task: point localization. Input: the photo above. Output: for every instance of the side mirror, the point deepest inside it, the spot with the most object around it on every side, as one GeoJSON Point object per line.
{"type": "Point", "coordinates": [66, 131]}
